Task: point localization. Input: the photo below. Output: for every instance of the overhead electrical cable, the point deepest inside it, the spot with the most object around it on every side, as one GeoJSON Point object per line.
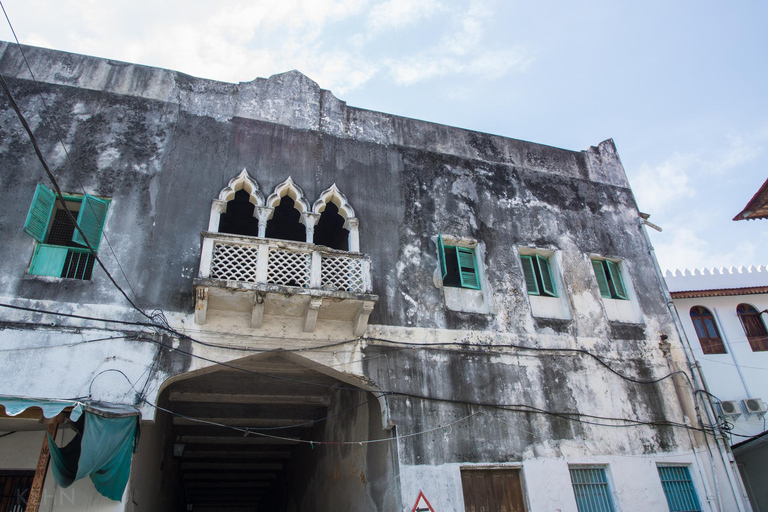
{"type": "Point", "coordinates": [60, 195]}
{"type": "Point", "coordinates": [57, 129]}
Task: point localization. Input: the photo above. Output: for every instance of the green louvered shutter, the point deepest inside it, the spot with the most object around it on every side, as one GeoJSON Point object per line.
{"type": "Point", "coordinates": [618, 282]}
{"type": "Point", "coordinates": [93, 211]}
{"type": "Point", "coordinates": [48, 260]}
{"type": "Point", "coordinates": [467, 268]}
{"type": "Point", "coordinates": [602, 280]}
{"type": "Point", "coordinates": [441, 255]}
{"type": "Point", "coordinates": [530, 275]}
{"type": "Point", "coordinates": [547, 282]}
{"type": "Point", "coordinates": [40, 212]}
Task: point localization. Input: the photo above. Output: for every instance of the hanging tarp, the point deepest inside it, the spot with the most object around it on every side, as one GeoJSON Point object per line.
{"type": "Point", "coordinates": [50, 407]}
{"type": "Point", "coordinates": [102, 449]}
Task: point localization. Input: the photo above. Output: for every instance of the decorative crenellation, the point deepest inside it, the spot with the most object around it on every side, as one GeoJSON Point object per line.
{"type": "Point", "coordinates": [716, 278]}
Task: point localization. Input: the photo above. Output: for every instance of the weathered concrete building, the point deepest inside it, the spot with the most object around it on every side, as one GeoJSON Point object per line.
{"type": "Point", "coordinates": [335, 309]}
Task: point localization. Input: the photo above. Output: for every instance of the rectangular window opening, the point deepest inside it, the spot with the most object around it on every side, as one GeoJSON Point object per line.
{"type": "Point", "coordinates": [678, 489]}
{"type": "Point", "coordinates": [609, 279]}
{"type": "Point", "coordinates": [538, 275]}
{"type": "Point", "coordinates": [61, 250]}
{"type": "Point", "coordinates": [458, 265]}
{"type": "Point", "coordinates": [591, 489]}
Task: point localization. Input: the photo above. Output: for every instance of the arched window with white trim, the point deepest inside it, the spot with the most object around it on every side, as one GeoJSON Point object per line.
{"type": "Point", "coordinates": [287, 221]}
{"type": "Point", "coordinates": [336, 225]}
{"type": "Point", "coordinates": [236, 209]}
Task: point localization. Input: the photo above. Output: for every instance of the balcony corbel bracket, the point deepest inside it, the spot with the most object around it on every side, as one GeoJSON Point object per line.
{"type": "Point", "coordinates": [201, 305]}
{"type": "Point", "coordinates": [310, 316]}
{"type": "Point", "coordinates": [360, 323]}
{"type": "Point", "coordinates": [257, 314]}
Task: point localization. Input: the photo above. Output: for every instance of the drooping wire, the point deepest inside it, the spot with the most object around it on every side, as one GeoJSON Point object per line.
{"type": "Point", "coordinates": [60, 195]}
{"type": "Point", "coordinates": [57, 129]}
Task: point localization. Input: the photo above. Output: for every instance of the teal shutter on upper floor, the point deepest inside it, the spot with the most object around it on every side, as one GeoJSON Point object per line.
{"type": "Point", "coordinates": [530, 275]}
{"type": "Point", "coordinates": [602, 280]}
{"type": "Point", "coordinates": [48, 260]}
{"type": "Point", "coordinates": [93, 212]}
{"type": "Point", "coordinates": [467, 268]}
{"type": "Point", "coordinates": [441, 255]}
{"type": "Point", "coordinates": [618, 283]}
{"type": "Point", "coordinates": [547, 282]}
{"type": "Point", "coordinates": [40, 212]}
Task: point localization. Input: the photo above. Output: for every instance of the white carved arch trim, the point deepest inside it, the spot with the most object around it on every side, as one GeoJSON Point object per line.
{"type": "Point", "coordinates": [333, 195]}
{"type": "Point", "coordinates": [290, 189]}
{"type": "Point", "coordinates": [242, 181]}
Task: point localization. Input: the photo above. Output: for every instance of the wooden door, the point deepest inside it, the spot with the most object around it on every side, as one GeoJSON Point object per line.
{"type": "Point", "coordinates": [492, 490]}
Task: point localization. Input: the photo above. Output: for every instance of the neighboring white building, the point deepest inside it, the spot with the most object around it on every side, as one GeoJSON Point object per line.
{"type": "Point", "coordinates": [723, 313]}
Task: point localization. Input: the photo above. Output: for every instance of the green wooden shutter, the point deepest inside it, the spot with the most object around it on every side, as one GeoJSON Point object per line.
{"type": "Point", "coordinates": [467, 268]}
{"type": "Point", "coordinates": [93, 211]}
{"type": "Point", "coordinates": [547, 282]}
{"type": "Point", "coordinates": [441, 255]}
{"type": "Point", "coordinates": [618, 282]}
{"type": "Point", "coordinates": [530, 275]}
{"type": "Point", "coordinates": [602, 280]}
{"type": "Point", "coordinates": [48, 260]}
{"type": "Point", "coordinates": [40, 212]}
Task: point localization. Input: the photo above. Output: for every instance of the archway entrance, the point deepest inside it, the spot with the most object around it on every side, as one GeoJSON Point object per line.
{"type": "Point", "coordinates": [242, 436]}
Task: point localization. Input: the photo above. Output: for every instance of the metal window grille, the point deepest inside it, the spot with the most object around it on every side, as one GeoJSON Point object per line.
{"type": "Point", "coordinates": [14, 490]}
{"type": "Point", "coordinates": [78, 265]}
{"type": "Point", "coordinates": [234, 262]}
{"type": "Point", "coordinates": [342, 273]}
{"type": "Point", "coordinates": [590, 486]}
{"type": "Point", "coordinates": [289, 268]}
{"type": "Point", "coordinates": [678, 488]}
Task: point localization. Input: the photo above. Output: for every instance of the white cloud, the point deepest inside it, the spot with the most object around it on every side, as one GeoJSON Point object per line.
{"type": "Point", "coordinates": [656, 186]}
{"type": "Point", "coordinates": [239, 40]}
{"type": "Point", "coordinates": [683, 247]}
{"type": "Point", "coordinates": [394, 14]}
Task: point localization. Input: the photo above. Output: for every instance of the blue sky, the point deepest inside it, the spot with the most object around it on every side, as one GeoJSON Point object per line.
{"type": "Point", "coordinates": [681, 86]}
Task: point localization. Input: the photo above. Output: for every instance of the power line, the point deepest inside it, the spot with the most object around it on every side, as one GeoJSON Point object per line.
{"type": "Point", "coordinates": [60, 195]}
{"type": "Point", "coordinates": [56, 129]}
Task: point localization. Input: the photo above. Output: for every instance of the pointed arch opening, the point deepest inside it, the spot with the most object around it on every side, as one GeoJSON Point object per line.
{"type": "Point", "coordinates": [330, 230]}
{"type": "Point", "coordinates": [234, 210]}
{"type": "Point", "coordinates": [337, 225]}
{"type": "Point", "coordinates": [287, 220]}
{"type": "Point", "coordinates": [285, 223]}
{"type": "Point", "coordinates": [238, 218]}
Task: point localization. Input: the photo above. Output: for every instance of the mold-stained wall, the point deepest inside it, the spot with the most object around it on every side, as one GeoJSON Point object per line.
{"type": "Point", "coordinates": [489, 384]}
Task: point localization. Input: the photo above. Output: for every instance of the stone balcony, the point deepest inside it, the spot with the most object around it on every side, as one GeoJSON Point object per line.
{"type": "Point", "coordinates": [268, 277]}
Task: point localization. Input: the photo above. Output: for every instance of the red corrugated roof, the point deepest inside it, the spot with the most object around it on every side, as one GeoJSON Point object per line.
{"type": "Point", "coordinates": [757, 207]}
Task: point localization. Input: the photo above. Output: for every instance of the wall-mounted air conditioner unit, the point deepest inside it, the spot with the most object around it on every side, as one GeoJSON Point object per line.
{"type": "Point", "coordinates": [730, 409]}
{"type": "Point", "coordinates": [754, 406]}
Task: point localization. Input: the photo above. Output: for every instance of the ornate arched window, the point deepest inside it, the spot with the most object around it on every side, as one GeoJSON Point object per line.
{"type": "Point", "coordinates": [706, 330]}
{"type": "Point", "coordinates": [287, 220]}
{"type": "Point", "coordinates": [754, 327]}
{"type": "Point", "coordinates": [236, 209]}
{"type": "Point", "coordinates": [336, 225]}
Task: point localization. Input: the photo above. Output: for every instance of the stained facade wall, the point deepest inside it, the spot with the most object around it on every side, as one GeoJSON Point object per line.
{"type": "Point", "coordinates": [162, 145]}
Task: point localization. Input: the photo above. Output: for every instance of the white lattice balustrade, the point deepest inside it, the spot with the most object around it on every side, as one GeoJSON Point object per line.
{"type": "Point", "coordinates": [289, 268]}
{"type": "Point", "coordinates": [234, 262]}
{"type": "Point", "coordinates": [342, 273]}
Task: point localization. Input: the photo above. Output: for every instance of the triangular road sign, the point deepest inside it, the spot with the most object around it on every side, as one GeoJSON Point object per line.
{"type": "Point", "coordinates": [422, 505]}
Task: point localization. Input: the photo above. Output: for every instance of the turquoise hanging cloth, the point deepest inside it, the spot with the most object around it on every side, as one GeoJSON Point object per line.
{"type": "Point", "coordinates": [102, 449]}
